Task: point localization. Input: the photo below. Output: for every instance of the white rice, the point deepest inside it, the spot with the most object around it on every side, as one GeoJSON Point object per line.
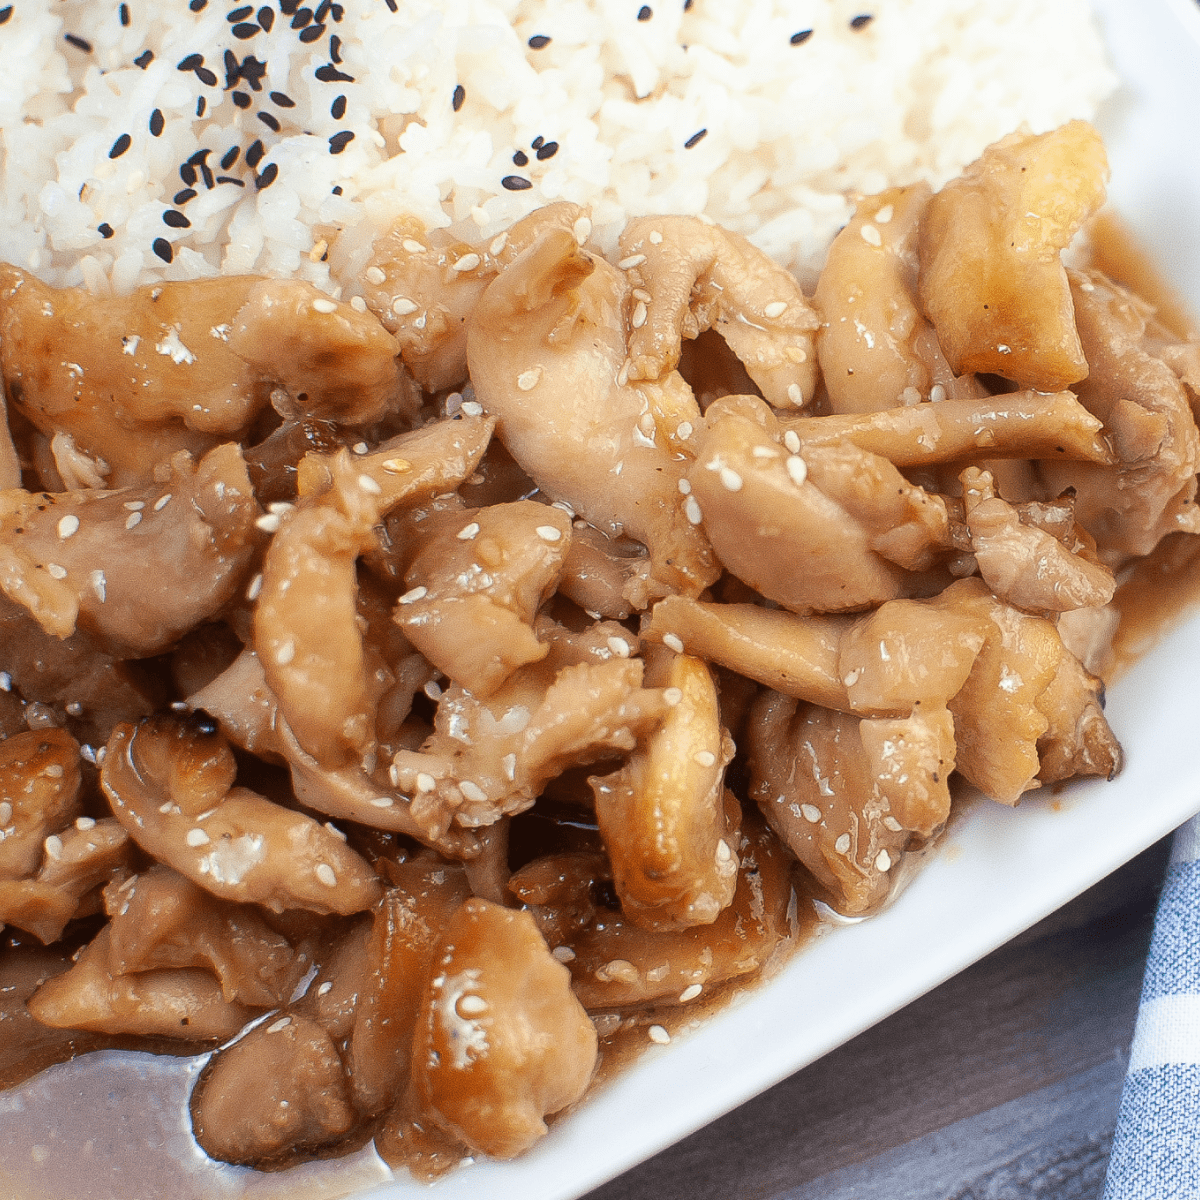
{"type": "Point", "coordinates": [792, 121]}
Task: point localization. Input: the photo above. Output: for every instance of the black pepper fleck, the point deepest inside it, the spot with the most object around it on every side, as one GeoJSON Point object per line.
{"type": "Point", "coordinates": [340, 141]}
{"type": "Point", "coordinates": [798, 39]}
{"type": "Point", "coordinates": [697, 137]}
{"type": "Point", "coordinates": [157, 122]}
{"type": "Point", "coordinates": [120, 146]}
{"type": "Point", "coordinates": [268, 176]}
{"type": "Point", "coordinates": [163, 249]}
{"type": "Point", "coordinates": [105, 230]}
{"type": "Point", "coordinates": [176, 220]}
{"type": "Point", "coordinates": [337, 110]}
{"type": "Point", "coordinates": [539, 41]}
{"type": "Point", "coordinates": [181, 198]}
{"type": "Point", "coordinates": [514, 183]}
{"type": "Point", "coordinates": [271, 122]}
{"type": "Point", "coordinates": [458, 99]}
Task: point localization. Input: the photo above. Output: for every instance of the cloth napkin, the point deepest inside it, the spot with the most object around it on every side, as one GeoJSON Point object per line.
{"type": "Point", "coordinates": [1156, 1149]}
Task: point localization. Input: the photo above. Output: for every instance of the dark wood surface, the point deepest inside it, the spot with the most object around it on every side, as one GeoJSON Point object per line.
{"type": "Point", "coordinates": [1003, 1082]}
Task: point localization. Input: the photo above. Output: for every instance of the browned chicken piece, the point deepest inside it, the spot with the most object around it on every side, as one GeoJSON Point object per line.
{"type": "Point", "coordinates": [833, 530]}
{"type": "Point", "coordinates": [794, 655]}
{"type": "Point", "coordinates": [75, 469]}
{"type": "Point", "coordinates": [501, 1040]}
{"type": "Point", "coordinates": [992, 280]}
{"type": "Point", "coordinates": [562, 892]}
{"type": "Point", "coordinates": [870, 316]}
{"type": "Point", "coordinates": [1088, 633]}
{"type": "Point", "coordinates": [160, 919]}
{"type": "Point", "coordinates": [141, 566]}
{"type": "Point", "coordinates": [606, 577]}
{"type": "Point", "coordinates": [1078, 740]}
{"type": "Point", "coordinates": [618, 965]}
{"type": "Point", "coordinates": [424, 293]}
{"type": "Point", "coordinates": [408, 923]}
{"type": "Point", "coordinates": [475, 584]}
{"type": "Point", "coordinates": [181, 1003]}
{"type": "Point", "coordinates": [547, 350]}
{"type": "Point", "coordinates": [1147, 417]}
{"type": "Point", "coordinates": [181, 366]}
{"type": "Point", "coordinates": [60, 671]}
{"type": "Point", "coordinates": [39, 796]}
{"type": "Point", "coordinates": [343, 971]}
{"type": "Point", "coordinates": [912, 758]}
{"type": "Point", "coordinates": [662, 815]}
{"type": "Point", "coordinates": [170, 783]}
{"type": "Point", "coordinates": [818, 788]}
{"type": "Point", "coordinates": [1028, 566]}
{"type": "Point", "coordinates": [492, 758]}
{"type": "Point", "coordinates": [240, 701]}
{"type": "Point", "coordinates": [280, 1088]}
{"type": "Point", "coordinates": [689, 275]}
{"type": "Point", "coordinates": [78, 861]}
{"type": "Point", "coordinates": [1014, 425]}
{"type": "Point", "coordinates": [999, 713]}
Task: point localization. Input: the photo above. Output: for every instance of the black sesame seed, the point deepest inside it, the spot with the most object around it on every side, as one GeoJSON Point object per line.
{"type": "Point", "coordinates": [687, 5]}
{"type": "Point", "coordinates": [190, 63]}
{"type": "Point", "coordinates": [283, 100]}
{"type": "Point", "coordinates": [78, 42]}
{"type": "Point", "coordinates": [206, 76]}
{"type": "Point", "coordinates": [287, 7]}
{"type": "Point", "coordinates": [538, 142]}
{"type": "Point", "coordinates": [520, 159]}
{"type": "Point", "coordinates": [231, 179]}
{"type": "Point", "coordinates": [157, 122]}
{"type": "Point", "coordinates": [302, 17]}
{"type": "Point", "coordinates": [198, 158]}
{"type": "Point", "coordinates": [206, 171]}
{"type": "Point", "coordinates": [181, 198]}
{"type": "Point", "coordinates": [392, 5]}
{"type": "Point", "coordinates": [266, 17]}
{"type": "Point", "coordinates": [163, 249]}
{"type": "Point", "coordinates": [242, 99]}
{"type": "Point", "coordinates": [330, 74]}
{"type": "Point", "coordinates": [268, 176]}
{"type": "Point", "coordinates": [270, 121]}
{"type": "Point", "coordinates": [549, 150]}
{"type": "Point", "coordinates": [335, 48]}
{"type": "Point", "coordinates": [239, 14]}
{"type": "Point", "coordinates": [798, 39]}
{"type": "Point", "coordinates": [645, 12]}
{"type": "Point", "coordinates": [252, 71]}
{"type": "Point", "coordinates": [337, 191]}
{"type": "Point", "coordinates": [144, 59]}
{"type": "Point", "coordinates": [201, 105]}
{"type": "Point", "coordinates": [322, 10]}
{"type": "Point", "coordinates": [105, 230]}
{"type": "Point", "coordinates": [459, 98]}
{"type": "Point", "coordinates": [188, 174]}
{"type": "Point", "coordinates": [313, 33]}
{"type": "Point", "coordinates": [229, 158]}
{"type": "Point", "coordinates": [120, 146]}
{"type": "Point", "coordinates": [254, 154]}
{"type": "Point", "coordinates": [176, 220]}
{"type": "Point", "coordinates": [539, 41]}
{"type": "Point", "coordinates": [861, 21]}
{"type": "Point", "coordinates": [198, 5]}
{"type": "Point", "coordinates": [514, 183]}
{"type": "Point", "coordinates": [245, 30]}
{"type": "Point", "coordinates": [340, 141]}
{"type": "Point", "coordinates": [5, 13]}
{"type": "Point", "coordinates": [337, 110]}
{"type": "Point", "coordinates": [696, 137]}
{"type": "Point", "coordinates": [123, 11]}
{"type": "Point", "coordinates": [337, 12]}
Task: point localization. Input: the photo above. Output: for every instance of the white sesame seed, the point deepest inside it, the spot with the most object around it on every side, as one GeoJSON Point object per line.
{"type": "Point", "coordinates": [382, 802]}
{"type": "Point", "coordinates": [74, 708]}
{"type": "Point", "coordinates": [852, 677]}
{"type": "Point", "coordinates": [937, 394]}
{"type": "Point", "coordinates": [549, 533]}
{"type": "Point", "coordinates": [471, 1005]}
{"type": "Point", "coordinates": [724, 854]}
{"type": "Point", "coordinates": [197, 837]}
{"type": "Point", "coordinates": [672, 642]}
{"type": "Point", "coordinates": [582, 229]}
{"type": "Point", "coordinates": [796, 354]}
{"type": "Point", "coordinates": [374, 276]}
{"type": "Point", "coordinates": [472, 408]}
{"type": "Point", "coordinates": [704, 758]}
{"type": "Point", "coordinates": [269, 522]}
{"type": "Point", "coordinates": [326, 875]}
{"type": "Point", "coordinates": [639, 315]}
{"type": "Point", "coordinates": [397, 466]}
{"type": "Point", "coordinates": [425, 783]}
{"type": "Point", "coordinates": [871, 235]}
{"type": "Point", "coordinates": [433, 690]}
{"type": "Point", "coordinates": [619, 969]}
{"type": "Point", "coordinates": [286, 652]}
{"type": "Point", "coordinates": [775, 309]}
{"type": "Point", "coordinates": [67, 526]}
{"type": "Point", "coordinates": [402, 306]}
{"type": "Point", "coordinates": [685, 487]}
{"type": "Point", "coordinates": [673, 695]}
{"type": "Point", "coordinates": [658, 1035]}
{"type": "Point", "coordinates": [498, 243]}
{"type": "Point", "coordinates": [55, 571]}
{"type": "Point", "coordinates": [83, 824]}
{"type": "Point", "coordinates": [691, 510]}
{"type": "Point", "coordinates": [842, 844]}
{"type": "Point", "coordinates": [623, 374]}
{"type": "Point", "coordinates": [472, 792]}
{"type": "Point", "coordinates": [467, 532]}
{"type": "Point", "coordinates": [135, 505]}
{"type": "Point", "coordinates": [642, 295]}
{"type": "Point", "coordinates": [634, 260]}
{"type": "Point", "coordinates": [6, 811]}
{"type": "Point", "coordinates": [884, 215]}
{"type": "Point", "coordinates": [413, 246]}
{"type": "Point", "coordinates": [276, 1026]}
{"type": "Point", "coordinates": [1004, 349]}
{"type": "Point", "coordinates": [417, 593]}
{"type": "Point", "coordinates": [165, 807]}
{"type": "Point", "coordinates": [795, 395]}
{"type": "Point", "coordinates": [619, 646]}
{"type": "Point", "coordinates": [890, 822]}
{"type": "Point", "coordinates": [360, 447]}
{"type": "Point", "coordinates": [528, 380]}
{"type": "Point", "coordinates": [358, 304]}
{"type": "Point", "coordinates": [731, 481]}
{"type": "Point", "coordinates": [468, 262]}
{"type": "Point", "coordinates": [133, 520]}
{"type": "Point", "coordinates": [325, 988]}
{"type": "Point", "coordinates": [690, 992]}
{"type": "Point", "coordinates": [883, 861]}
{"type": "Point", "coordinates": [655, 238]}
{"type": "Point", "coordinates": [162, 502]}
{"type": "Point", "coordinates": [564, 954]}
{"type": "Point", "coordinates": [368, 485]}
{"type": "Point", "coordinates": [54, 847]}
{"type": "Point", "coordinates": [684, 431]}
{"type": "Point", "coordinates": [797, 469]}
{"type": "Point", "coordinates": [324, 306]}
{"type": "Point", "coordinates": [252, 592]}
{"type": "Point", "coordinates": [509, 762]}
{"type": "Point", "coordinates": [791, 440]}
{"type": "Point", "coordinates": [5, 681]}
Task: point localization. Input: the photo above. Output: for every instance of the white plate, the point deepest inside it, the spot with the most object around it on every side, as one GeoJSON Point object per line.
{"type": "Point", "coordinates": [998, 872]}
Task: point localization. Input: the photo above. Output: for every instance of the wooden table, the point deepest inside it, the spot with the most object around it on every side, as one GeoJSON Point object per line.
{"type": "Point", "coordinates": [1002, 1083]}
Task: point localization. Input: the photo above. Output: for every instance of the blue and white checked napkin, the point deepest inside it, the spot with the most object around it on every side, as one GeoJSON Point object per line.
{"type": "Point", "coordinates": [1156, 1150]}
